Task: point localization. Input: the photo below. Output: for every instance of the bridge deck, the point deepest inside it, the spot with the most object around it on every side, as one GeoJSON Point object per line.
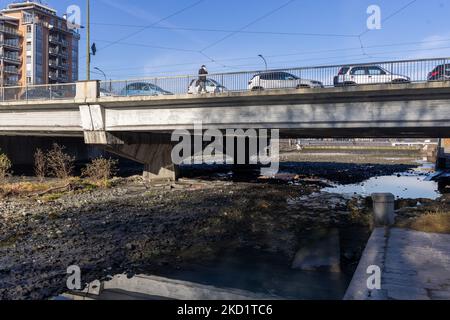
{"type": "Point", "coordinates": [388, 110]}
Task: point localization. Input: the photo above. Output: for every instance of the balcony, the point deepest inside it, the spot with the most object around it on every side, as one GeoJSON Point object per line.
{"type": "Point", "coordinates": [14, 58]}
{"type": "Point", "coordinates": [63, 79]}
{"type": "Point", "coordinates": [11, 69]}
{"type": "Point", "coordinates": [64, 43]}
{"type": "Point", "coordinates": [54, 51]}
{"type": "Point", "coordinates": [9, 30]}
{"type": "Point", "coordinates": [64, 54]}
{"type": "Point", "coordinates": [10, 82]}
{"type": "Point", "coordinates": [56, 40]}
{"type": "Point", "coordinates": [64, 66]}
{"type": "Point", "coordinates": [13, 44]}
{"type": "Point", "coordinates": [53, 63]}
{"type": "Point", "coordinates": [53, 39]}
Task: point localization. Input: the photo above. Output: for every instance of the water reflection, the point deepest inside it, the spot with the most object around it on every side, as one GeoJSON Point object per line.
{"type": "Point", "coordinates": [416, 184]}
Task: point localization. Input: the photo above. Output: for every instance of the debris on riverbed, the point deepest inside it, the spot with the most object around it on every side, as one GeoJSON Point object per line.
{"type": "Point", "coordinates": [137, 228]}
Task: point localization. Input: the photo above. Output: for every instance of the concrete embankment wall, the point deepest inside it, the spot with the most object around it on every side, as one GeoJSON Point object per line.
{"type": "Point", "coordinates": [21, 149]}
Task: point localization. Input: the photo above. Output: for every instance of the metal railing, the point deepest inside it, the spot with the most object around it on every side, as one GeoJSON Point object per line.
{"type": "Point", "coordinates": [9, 30]}
{"type": "Point", "coordinates": [10, 69]}
{"type": "Point", "coordinates": [10, 43]}
{"type": "Point", "coordinates": [38, 92]}
{"type": "Point", "coordinates": [11, 57]}
{"type": "Point", "coordinates": [393, 72]}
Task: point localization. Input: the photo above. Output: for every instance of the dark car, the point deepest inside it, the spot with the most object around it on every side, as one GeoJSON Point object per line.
{"type": "Point", "coordinates": [40, 93]}
{"type": "Point", "coordinates": [440, 73]}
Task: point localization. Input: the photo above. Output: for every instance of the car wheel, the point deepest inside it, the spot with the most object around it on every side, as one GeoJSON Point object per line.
{"type": "Point", "coordinates": [348, 84]}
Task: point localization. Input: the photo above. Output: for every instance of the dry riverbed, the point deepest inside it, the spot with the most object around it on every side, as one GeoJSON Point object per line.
{"type": "Point", "coordinates": [130, 227]}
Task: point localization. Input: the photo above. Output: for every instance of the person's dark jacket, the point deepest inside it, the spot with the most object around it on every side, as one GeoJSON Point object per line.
{"type": "Point", "coordinates": [202, 74]}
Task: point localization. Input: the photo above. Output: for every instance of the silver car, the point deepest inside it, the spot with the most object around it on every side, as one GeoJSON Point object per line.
{"type": "Point", "coordinates": [212, 86]}
{"type": "Point", "coordinates": [280, 80]}
{"type": "Point", "coordinates": [371, 74]}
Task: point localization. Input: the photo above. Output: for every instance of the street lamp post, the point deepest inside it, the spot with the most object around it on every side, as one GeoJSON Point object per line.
{"type": "Point", "coordinates": [264, 59]}
{"type": "Point", "coordinates": [104, 74]}
{"type": "Point", "coordinates": [88, 42]}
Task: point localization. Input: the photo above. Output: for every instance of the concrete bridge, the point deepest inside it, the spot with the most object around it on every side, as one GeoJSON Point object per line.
{"type": "Point", "coordinates": [139, 128]}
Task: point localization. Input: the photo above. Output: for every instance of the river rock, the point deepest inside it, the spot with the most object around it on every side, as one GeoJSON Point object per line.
{"type": "Point", "coordinates": [320, 251]}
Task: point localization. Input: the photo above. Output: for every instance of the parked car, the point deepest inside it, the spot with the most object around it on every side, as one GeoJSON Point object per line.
{"type": "Point", "coordinates": [143, 89]}
{"type": "Point", "coordinates": [280, 80]}
{"type": "Point", "coordinates": [440, 73]}
{"type": "Point", "coordinates": [367, 75]}
{"type": "Point", "coordinates": [40, 93]}
{"type": "Point", "coordinates": [105, 93]}
{"type": "Point", "coordinates": [212, 86]}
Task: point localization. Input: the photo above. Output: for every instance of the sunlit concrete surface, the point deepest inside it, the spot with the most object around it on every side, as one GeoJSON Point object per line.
{"type": "Point", "coordinates": [415, 266]}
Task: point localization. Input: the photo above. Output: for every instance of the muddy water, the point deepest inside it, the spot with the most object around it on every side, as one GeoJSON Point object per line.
{"type": "Point", "coordinates": [266, 273]}
{"type": "Point", "coordinates": [269, 273]}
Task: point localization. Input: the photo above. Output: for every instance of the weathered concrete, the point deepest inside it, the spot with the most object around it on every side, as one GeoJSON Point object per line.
{"type": "Point", "coordinates": [151, 287]}
{"type": "Point", "coordinates": [387, 110]}
{"type": "Point", "coordinates": [415, 266]}
{"type": "Point", "coordinates": [419, 110]}
{"type": "Point", "coordinates": [157, 158]}
{"type": "Point", "coordinates": [383, 209]}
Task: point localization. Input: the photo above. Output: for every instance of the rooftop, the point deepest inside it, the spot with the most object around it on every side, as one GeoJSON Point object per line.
{"type": "Point", "coordinates": [28, 4]}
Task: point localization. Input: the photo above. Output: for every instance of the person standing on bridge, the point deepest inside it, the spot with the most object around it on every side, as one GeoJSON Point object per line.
{"type": "Point", "coordinates": [202, 79]}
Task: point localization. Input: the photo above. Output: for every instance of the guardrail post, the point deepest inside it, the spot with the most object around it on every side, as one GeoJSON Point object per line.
{"type": "Point", "coordinates": [87, 90]}
{"type": "Point", "coordinates": [383, 209]}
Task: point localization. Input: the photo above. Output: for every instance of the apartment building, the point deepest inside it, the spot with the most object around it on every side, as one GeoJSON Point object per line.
{"type": "Point", "coordinates": [10, 61]}
{"type": "Point", "coordinates": [37, 46]}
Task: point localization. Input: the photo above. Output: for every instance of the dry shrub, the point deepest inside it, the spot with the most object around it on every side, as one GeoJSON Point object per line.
{"type": "Point", "coordinates": [59, 163]}
{"type": "Point", "coordinates": [434, 222]}
{"type": "Point", "coordinates": [5, 166]}
{"type": "Point", "coordinates": [21, 188]}
{"type": "Point", "coordinates": [100, 169]}
{"type": "Point", "coordinates": [40, 164]}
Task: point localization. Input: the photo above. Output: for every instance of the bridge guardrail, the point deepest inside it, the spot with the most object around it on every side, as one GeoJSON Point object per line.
{"type": "Point", "coordinates": [414, 71]}
{"type": "Point", "coordinates": [38, 92]}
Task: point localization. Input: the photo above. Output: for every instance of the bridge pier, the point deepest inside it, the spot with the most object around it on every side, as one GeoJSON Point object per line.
{"type": "Point", "coordinates": [151, 150]}
{"type": "Point", "coordinates": [443, 158]}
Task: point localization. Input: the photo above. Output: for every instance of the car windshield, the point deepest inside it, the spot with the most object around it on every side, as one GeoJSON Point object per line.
{"type": "Point", "coordinates": [343, 71]}
{"type": "Point", "coordinates": [288, 76]}
{"type": "Point", "coordinates": [447, 69]}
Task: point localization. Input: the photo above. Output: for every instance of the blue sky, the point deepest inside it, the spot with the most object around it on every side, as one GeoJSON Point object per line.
{"type": "Point", "coordinates": [172, 48]}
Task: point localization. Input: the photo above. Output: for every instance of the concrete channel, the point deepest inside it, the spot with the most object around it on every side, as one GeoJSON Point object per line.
{"type": "Point", "coordinates": [412, 266]}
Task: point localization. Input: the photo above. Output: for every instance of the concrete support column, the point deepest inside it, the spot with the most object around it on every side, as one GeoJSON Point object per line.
{"type": "Point", "coordinates": [156, 157]}
{"type": "Point", "coordinates": [443, 158]}
{"type": "Point", "coordinates": [160, 165]}
{"type": "Point", "coordinates": [383, 209]}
